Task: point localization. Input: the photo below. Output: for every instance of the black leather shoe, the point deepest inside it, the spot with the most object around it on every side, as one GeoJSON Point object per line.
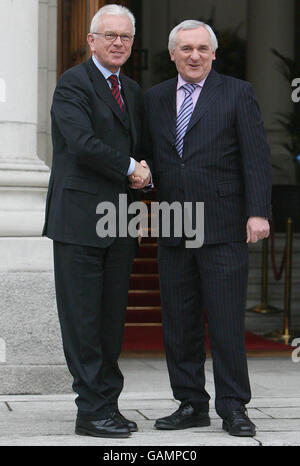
{"type": "Point", "coordinates": [102, 428]}
{"type": "Point", "coordinates": [183, 418]}
{"type": "Point", "coordinates": [122, 420]}
{"type": "Point", "coordinates": [237, 423]}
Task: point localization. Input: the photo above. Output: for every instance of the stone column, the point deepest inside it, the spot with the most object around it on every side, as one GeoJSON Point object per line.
{"type": "Point", "coordinates": [23, 176]}
{"type": "Point", "coordinates": [271, 25]}
{"type": "Point", "coordinates": [31, 358]}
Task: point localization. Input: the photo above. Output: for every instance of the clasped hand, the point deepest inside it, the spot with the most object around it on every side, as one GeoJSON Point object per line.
{"type": "Point", "coordinates": [141, 176]}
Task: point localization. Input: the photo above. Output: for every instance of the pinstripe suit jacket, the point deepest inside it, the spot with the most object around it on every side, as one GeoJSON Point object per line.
{"type": "Point", "coordinates": [226, 157]}
{"type": "Point", "coordinates": [91, 148]}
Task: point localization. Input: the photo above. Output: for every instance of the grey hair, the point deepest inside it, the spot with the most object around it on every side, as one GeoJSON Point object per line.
{"type": "Point", "coordinates": [111, 9]}
{"type": "Point", "coordinates": [188, 25]}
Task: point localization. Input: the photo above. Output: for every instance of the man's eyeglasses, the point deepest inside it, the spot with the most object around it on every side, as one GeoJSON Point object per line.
{"type": "Point", "coordinates": [112, 36]}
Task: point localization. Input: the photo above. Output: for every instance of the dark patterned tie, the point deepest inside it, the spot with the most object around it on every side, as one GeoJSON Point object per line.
{"type": "Point", "coordinates": [115, 89]}
{"type": "Point", "coordinates": [184, 116]}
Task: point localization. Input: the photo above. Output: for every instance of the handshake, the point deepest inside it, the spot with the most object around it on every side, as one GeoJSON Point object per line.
{"type": "Point", "coordinates": [141, 176]}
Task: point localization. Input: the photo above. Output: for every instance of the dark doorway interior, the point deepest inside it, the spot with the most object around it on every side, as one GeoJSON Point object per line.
{"type": "Point", "coordinates": [74, 17]}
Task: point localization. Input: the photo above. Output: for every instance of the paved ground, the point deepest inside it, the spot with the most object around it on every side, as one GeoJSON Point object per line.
{"type": "Point", "coordinates": [48, 420]}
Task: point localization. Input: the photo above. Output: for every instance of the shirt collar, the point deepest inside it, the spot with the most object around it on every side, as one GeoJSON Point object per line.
{"type": "Point", "coordinates": [106, 73]}
{"type": "Point", "coordinates": [181, 82]}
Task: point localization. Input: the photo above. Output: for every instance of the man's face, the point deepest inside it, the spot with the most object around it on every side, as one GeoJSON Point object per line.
{"type": "Point", "coordinates": [193, 54]}
{"type": "Point", "coordinates": [112, 54]}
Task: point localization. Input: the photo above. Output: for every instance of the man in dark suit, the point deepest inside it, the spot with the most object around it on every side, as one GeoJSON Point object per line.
{"type": "Point", "coordinates": [96, 114]}
{"type": "Point", "coordinates": [205, 142]}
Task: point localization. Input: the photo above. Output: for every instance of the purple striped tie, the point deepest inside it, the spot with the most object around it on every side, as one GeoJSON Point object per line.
{"type": "Point", "coordinates": [115, 89]}
{"type": "Point", "coordinates": [184, 116]}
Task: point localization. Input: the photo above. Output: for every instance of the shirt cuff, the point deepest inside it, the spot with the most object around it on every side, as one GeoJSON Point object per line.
{"type": "Point", "coordinates": [151, 184]}
{"type": "Point", "coordinates": [131, 166]}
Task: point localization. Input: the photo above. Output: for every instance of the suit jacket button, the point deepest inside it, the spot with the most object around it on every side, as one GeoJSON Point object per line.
{"type": "Point", "coordinates": [182, 165]}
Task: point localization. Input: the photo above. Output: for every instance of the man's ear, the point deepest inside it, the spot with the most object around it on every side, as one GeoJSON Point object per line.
{"type": "Point", "coordinates": [172, 55]}
{"type": "Point", "coordinates": [90, 41]}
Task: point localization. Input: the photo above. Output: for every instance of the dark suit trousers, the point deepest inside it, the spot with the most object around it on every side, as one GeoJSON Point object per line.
{"type": "Point", "coordinates": [214, 276]}
{"type": "Point", "coordinates": [92, 292]}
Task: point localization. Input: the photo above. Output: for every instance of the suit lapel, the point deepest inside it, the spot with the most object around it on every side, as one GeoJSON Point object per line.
{"type": "Point", "coordinates": [210, 92]}
{"type": "Point", "coordinates": [168, 108]}
{"type": "Point", "coordinates": [102, 89]}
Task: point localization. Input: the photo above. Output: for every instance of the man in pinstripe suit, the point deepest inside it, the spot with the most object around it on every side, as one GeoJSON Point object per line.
{"type": "Point", "coordinates": [205, 141]}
